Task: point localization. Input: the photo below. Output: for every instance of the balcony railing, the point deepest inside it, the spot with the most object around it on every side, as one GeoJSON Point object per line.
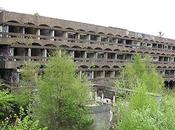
{"type": "Point", "coordinates": [71, 40]}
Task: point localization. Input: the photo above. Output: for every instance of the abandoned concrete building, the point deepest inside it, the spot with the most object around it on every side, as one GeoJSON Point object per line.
{"type": "Point", "coordinates": [98, 51]}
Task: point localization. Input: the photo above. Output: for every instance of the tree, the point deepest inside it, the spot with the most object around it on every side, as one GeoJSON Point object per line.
{"type": "Point", "coordinates": [140, 71]}
{"type": "Point", "coordinates": [61, 96]}
{"type": "Point", "coordinates": [143, 110]}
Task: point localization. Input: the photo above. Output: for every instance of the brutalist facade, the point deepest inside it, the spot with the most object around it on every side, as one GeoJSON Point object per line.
{"type": "Point", "coordinates": [98, 51]}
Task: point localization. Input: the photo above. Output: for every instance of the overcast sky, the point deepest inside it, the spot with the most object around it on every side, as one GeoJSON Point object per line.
{"type": "Point", "coordinates": [145, 16]}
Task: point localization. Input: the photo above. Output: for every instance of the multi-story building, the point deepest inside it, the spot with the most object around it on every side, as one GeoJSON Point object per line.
{"type": "Point", "coordinates": [98, 51]}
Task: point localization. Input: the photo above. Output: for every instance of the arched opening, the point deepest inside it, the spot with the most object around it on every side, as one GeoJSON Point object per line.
{"type": "Point", "coordinates": [82, 35]}
{"type": "Point", "coordinates": [99, 54]}
{"type": "Point", "coordinates": [36, 50]}
{"type": "Point", "coordinates": [71, 35]}
{"type": "Point", "coordinates": [45, 31]}
{"type": "Point", "coordinates": [93, 37]}
{"type": "Point", "coordinates": [48, 51]}
{"type": "Point", "coordinates": [59, 33]}
{"type": "Point", "coordinates": [14, 28]}
{"type": "Point", "coordinates": [30, 30]}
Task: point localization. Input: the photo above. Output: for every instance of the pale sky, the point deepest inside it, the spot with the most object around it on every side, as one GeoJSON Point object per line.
{"type": "Point", "coordinates": [144, 16]}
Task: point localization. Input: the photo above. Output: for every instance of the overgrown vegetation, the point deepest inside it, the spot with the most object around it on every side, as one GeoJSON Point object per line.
{"type": "Point", "coordinates": [148, 107]}
{"type": "Point", "coordinates": [51, 96]}
{"type": "Point", "coordinates": [61, 96]}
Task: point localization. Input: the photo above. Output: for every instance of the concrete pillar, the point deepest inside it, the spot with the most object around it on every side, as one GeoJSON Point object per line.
{"type": "Point", "coordinates": [92, 75]}
{"type": "Point", "coordinates": [85, 54]}
{"type": "Point", "coordinates": [80, 74]}
{"type": "Point", "coordinates": [78, 36]}
{"type": "Point", "coordinates": [99, 39]}
{"type": "Point", "coordinates": [113, 99]}
{"type": "Point", "coordinates": [52, 35]}
{"type": "Point", "coordinates": [106, 55]}
{"type": "Point", "coordinates": [60, 52]}
{"type": "Point", "coordinates": [124, 56]}
{"type": "Point", "coordinates": [6, 30]}
{"type": "Point", "coordinates": [124, 41]}
{"type": "Point", "coordinates": [116, 41]}
{"type": "Point", "coordinates": [96, 55]}
{"type": "Point", "coordinates": [65, 35]}
{"type": "Point", "coordinates": [38, 33]}
{"type": "Point", "coordinates": [29, 53]}
{"type": "Point", "coordinates": [89, 37]}
{"type": "Point", "coordinates": [113, 74]}
{"type": "Point", "coordinates": [102, 96]}
{"type": "Point", "coordinates": [11, 51]}
{"type": "Point", "coordinates": [115, 56]}
{"type": "Point", "coordinates": [23, 31]}
{"type": "Point", "coordinates": [45, 53]}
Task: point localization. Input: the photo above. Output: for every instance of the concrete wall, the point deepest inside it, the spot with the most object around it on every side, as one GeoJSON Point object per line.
{"type": "Point", "coordinates": [102, 116]}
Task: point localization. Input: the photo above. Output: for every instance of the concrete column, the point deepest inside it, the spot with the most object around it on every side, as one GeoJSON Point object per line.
{"type": "Point", "coordinates": [102, 96]}
{"type": "Point", "coordinates": [29, 53]}
{"type": "Point", "coordinates": [45, 53]}
{"type": "Point", "coordinates": [96, 55]}
{"type": "Point", "coordinates": [85, 54]}
{"type": "Point", "coordinates": [38, 33]}
{"type": "Point", "coordinates": [113, 74]}
{"type": "Point", "coordinates": [116, 41]}
{"type": "Point", "coordinates": [99, 39]}
{"type": "Point", "coordinates": [80, 74]}
{"type": "Point", "coordinates": [52, 35]}
{"type": "Point", "coordinates": [6, 30]}
{"type": "Point", "coordinates": [106, 55]}
{"type": "Point", "coordinates": [65, 35]}
{"type": "Point", "coordinates": [124, 56]}
{"type": "Point", "coordinates": [89, 37]}
{"type": "Point", "coordinates": [11, 51]}
{"type": "Point", "coordinates": [92, 75]}
{"type": "Point", "coordinates": [23, 32]}
{"type": "Point", "coordinates": [60, 52]}
{"type": "Point", "coordinates": [124, 41]}
{"type": "Point", "coordinates": [78, 36]}
{"type": "Point", "coordinates": [115, 56]}
{"type": "Point", "coordinates": [113, 99]}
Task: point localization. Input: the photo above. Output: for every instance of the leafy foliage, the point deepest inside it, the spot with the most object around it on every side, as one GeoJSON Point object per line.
{"type": "Point", "coordinates": [6, 100]}
{"type": "Point", "coordinates": [20, 123]}
{"type": "Point", "coordinates": [142, 110]}
{"type": "Point", "coordinates": [61, 96]}
{"type": "Point", "coordinates": [140, 71]}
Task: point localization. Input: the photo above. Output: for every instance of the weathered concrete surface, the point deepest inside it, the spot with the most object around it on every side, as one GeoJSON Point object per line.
{"type": "Point", "coordinates": [102, 116]}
